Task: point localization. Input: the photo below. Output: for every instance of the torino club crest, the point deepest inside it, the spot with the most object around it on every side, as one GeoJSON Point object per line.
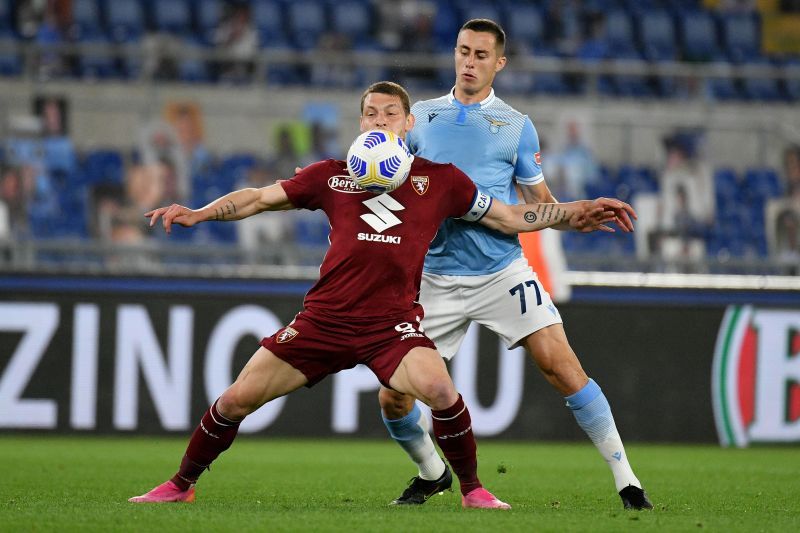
{"type": "Point", "coordinates": [756, 376]}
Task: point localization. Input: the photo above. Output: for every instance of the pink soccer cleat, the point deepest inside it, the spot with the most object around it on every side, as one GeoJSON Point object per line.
{"type": "Point", "coordinates": [166, 492]}
{"type": "Point", "coordinates": [482, 499]}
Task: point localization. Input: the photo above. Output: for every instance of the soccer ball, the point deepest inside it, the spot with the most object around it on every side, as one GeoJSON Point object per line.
{"type": "Point", "coordinates": [379, 161]}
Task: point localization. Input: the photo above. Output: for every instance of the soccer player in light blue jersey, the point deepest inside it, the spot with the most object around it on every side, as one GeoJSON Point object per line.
{"type": "Point", "coordinates": [475, 274]}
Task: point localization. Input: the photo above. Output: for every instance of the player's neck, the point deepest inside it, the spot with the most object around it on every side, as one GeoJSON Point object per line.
{"type": "Point", "coordinates": [469, 99]}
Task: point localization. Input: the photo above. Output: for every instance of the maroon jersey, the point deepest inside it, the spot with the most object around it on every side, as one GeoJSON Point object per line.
{"type": "Point", "coordinates": [378, 242]}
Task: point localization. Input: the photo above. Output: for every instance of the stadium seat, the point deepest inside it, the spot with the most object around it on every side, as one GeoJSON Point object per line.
{"type": "Point", "coordinates": [619, 33]}
{"type": "Point", "coordinates": [172, 16]}
{"type": "Point", "coordinates": [791, 85]}
{"type": "Point", "coordinates": [125, 20]}
{"type": "Point", "coordinates": [59, 155]}
{"type": "Point", "coordinates": [268, 18]}
{"type": "Point", "coordinates": [698, 37]}
{"type": "Point", "coordinates": [480, 10]}
{"type": "Point", "coordinates": [103, 166]}
{"type": "Point", "coordinates": [85, 19]}
{"type": "Point", "coordinates": [741, 36]}
{"type": "Point", "coordinates": [354, 19]}
{"type": "Point", "coordinates": [761, 88]}
{"type": "Point", "coordinates": [657, 35]}
{"type": "Point", "coordinates": [10, 57]}
{"type": "Point", "coordinates": [5, 17]}
{"type": "Point", "coordinates": [525, 25]}
{"type": "Point", "coordinates": [95, 61]}
{"type": "Point", "coordinates": [306, 23]}
{"type": "Point", "coordinates": [208, 14]}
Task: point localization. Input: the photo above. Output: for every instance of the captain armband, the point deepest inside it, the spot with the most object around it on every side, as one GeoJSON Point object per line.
{"type": "Point", "coordinates": [480, 206]}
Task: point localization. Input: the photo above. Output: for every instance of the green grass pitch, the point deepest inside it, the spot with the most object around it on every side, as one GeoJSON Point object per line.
{"type": "Point", "coordinates": [82, 484]}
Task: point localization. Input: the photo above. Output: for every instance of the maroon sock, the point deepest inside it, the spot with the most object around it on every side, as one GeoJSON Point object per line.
{"type": "Point", "coordinates": [213, 436]}
{"type": "Point", "coordinates": [453, 430]}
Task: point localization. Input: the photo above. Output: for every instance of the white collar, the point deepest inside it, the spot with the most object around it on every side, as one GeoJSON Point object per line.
{"type": "Point", "coordinates": [451, 98]}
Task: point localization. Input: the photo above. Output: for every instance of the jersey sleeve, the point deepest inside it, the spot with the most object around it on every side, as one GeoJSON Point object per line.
{"type": "Point", "coordinates": [528, 168]}
{"type": "Point", "coordinates": [307, 187]}
{"type": "Point", "coordinates": [411, 139]}
{"type": "Point", "coordinates": [469, 203]}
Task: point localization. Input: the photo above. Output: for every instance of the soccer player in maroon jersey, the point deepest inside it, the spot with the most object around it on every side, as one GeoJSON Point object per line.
{"type": "Point", "coordinates": [363, 308]}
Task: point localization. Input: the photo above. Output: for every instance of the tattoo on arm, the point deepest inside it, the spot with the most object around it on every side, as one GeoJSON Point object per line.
{"type": "Point", "coordinates": [226, 210]}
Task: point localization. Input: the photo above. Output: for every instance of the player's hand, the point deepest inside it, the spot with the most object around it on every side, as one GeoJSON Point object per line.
{"type": "Point", "coordinates": [597, 214]}
{"type": "Point", "coordinates": [174, 214]}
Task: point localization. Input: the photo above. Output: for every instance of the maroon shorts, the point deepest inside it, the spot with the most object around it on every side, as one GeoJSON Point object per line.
{"type": "Point", "coordinates": [318, 346]}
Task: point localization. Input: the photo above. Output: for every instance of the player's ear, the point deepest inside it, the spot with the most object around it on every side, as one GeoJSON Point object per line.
{"type": "Point", "coordinates": [501, 63]}
{"type": "Point", "coordinates": [410, 121]}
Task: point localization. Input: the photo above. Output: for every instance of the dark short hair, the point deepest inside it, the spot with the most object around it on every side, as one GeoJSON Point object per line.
{"type": "Point", "coordinates": [392, 89]}
{"type": "Point", "coordinates": [488, 26]}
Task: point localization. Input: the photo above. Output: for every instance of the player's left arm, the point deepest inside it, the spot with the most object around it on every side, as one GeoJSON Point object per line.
{"type": "Point", "coordinates": [582, 215]}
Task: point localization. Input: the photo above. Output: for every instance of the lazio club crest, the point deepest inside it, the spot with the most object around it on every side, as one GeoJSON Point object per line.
{"type": "Point", "coordinates": [494, 124]}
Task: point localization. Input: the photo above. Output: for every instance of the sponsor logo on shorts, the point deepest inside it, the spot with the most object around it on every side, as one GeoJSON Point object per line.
{"type": "Point", "coordinates": [344, 184]}
{"type": "Point", "coordinates": [377, 237]}
{"type": "Point", "coordinates": [420, 184]}
{"type": "Point", "coordinates": [287, 334]}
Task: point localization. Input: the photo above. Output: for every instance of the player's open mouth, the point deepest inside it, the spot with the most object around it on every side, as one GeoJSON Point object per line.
{"type": "Point", "coordinates": [468, 77]}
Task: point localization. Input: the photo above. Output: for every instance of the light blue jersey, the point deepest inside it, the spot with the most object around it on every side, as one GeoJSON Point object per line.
{"type": "Point", "coordinates": [492, 143]}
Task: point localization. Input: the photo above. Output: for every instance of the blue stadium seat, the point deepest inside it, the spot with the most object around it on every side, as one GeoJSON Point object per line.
{"type": "Point", "coordinates": [95, 61]}
{"type": "Point", "coordinates": [762, 87]}
{"type": "Point", "coordinates": [480, 10]}
{"type": "Point", "coordinates": [698, 37]}
{"type": "Point", "coordinates": [741, 36]}
{"type": "Point", "coordinates": [268, 18]}
{"type": "Point", "coordinates": [10, 57]}
{"type": "Point", "coordinates": [208, 14]}
{"type": "Point", "coordinates": [103, 166]}
{"type": "Point", "coordinates": [446, 23]}
{"type": "Point", "coordinates": [657, 35]}
{"type": "Point", "coordinates": [619, 33]}
{"type": "Point", "coordinates": [86, 19]}
{"type": "Point", "coordinates": [354, 19]}
{"type": "Point", "coordinates": [791, 86]}
{"type": "Point", "coordinates": [306, 22]}
{"type": "Point", "coordinates": [525, 25]}
{"type": "Point", "coordinates": [631, 85]}
{"type": "Point", "coordinates": [125, 20]}
{"type": "Point", "coordinates": [172, 16]}
{"type": "Point", "coordinates": [5, 17]}
{"type": "Point", "coordinates": [59, 154]}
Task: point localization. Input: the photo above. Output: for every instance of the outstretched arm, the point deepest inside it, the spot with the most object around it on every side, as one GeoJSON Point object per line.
{"type": "Point", "coordinates": [235, 205]}
{"type": "Point", "coordinates": [583, 216]}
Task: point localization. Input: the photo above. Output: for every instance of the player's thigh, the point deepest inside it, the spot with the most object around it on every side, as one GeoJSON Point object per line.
{"type": "Point", "coordinates": [512, 303]}
{"type": "Point", "coordinates": [423, 374]}
{"type": "Point", "coordinates": [264, 378]}
{"type": "Point", "coordinates": [445, 320]}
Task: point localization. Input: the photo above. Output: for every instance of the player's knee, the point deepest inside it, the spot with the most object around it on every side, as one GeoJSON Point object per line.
{"type": "Point", "coordinates": [235, 404]}
{"type": "Point", "coordinates": [439, 393]}
{"type": "Point", "coordinates": [394, 404]}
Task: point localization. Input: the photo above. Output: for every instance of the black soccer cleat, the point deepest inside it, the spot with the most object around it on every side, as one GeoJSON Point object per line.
{"type": "Point", "coordinates": [635, 498]}
{"type": "Point", "coordinates": [419, 490]}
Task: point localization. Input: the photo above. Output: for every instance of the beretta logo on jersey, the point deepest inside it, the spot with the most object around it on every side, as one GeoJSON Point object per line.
{"type": "Point", "coordinates": [756, 376]}
{"type": "Point", "coordinates": [420, 184]}
{"type": "Point", "coordinates": [344, 184]}
{"type": "Point", "coordinates": [287, 334]}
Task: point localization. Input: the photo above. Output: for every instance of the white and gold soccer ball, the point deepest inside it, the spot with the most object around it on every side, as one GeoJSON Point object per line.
{"type": "Point", "coordinates": [379, 161]}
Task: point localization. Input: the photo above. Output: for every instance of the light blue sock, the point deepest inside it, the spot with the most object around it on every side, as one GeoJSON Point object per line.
{"type": "Point", "coordinates": [411, 433]}
{"type": "Point", "coordinates": [591, 410]}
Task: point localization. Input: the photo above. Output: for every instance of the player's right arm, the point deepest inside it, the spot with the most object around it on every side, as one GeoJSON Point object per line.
{"type": "Point", "coordinates": [235, 205]}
